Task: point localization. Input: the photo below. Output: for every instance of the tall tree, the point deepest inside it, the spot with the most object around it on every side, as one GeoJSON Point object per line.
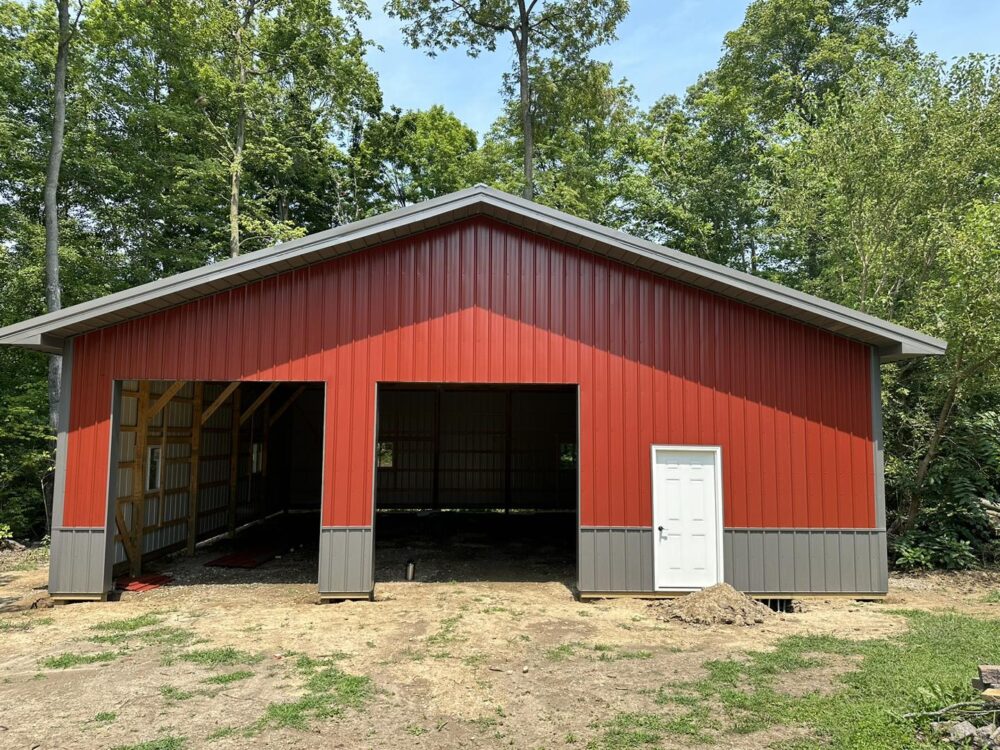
{"type": "Point", "coordinates": [893, 198]}
{"type": "Point", "coordinates": [568, 29]}
{"type": "Point", "coordinates": [53, 289]}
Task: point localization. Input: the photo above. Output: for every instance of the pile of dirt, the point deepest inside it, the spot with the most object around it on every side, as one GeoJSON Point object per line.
{"type": "Point", "coordinates": [720, 604]}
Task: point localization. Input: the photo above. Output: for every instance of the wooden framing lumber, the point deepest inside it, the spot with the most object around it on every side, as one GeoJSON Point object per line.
{"type": "Point", "coordinates": [245, 416]}
{"type": "Point", "coordinates": [165, 399]}
{"type": "Point", "coordinates": [234, 463]}
{"type": "Point", "coordinates": [138, 498]}
{"type": "Point", "coordinates": [214, 406]}
{"type": "Point", "coordinates": [193, 489]}
{"type": "Point", "coordinates": [280, 411]}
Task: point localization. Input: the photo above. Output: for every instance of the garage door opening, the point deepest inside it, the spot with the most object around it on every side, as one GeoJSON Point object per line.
{"type": "Point", "coordinates": [476, 483]}
{"type": "Point", "coordinates": [225, 477]}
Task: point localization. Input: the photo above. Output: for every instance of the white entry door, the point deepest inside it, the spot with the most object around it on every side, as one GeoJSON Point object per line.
{"type": "Point", "coordinates": [687, 517]}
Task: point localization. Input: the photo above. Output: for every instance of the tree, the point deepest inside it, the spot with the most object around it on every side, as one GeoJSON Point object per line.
{"type": "Point", "coordinates": [583, 122]}
{"type": "Point", "coordinates": [566, 29]}
{"type": "Point", "coordinates": [53, 290]}
{"type": "Point", "coordinates": [892, 196]}
{"type": "Point", "coordinates": [417, 155]}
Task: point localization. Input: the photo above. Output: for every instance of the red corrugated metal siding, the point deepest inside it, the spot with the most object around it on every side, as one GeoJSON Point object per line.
{"type": "Point", "coordinates": [482, 302]}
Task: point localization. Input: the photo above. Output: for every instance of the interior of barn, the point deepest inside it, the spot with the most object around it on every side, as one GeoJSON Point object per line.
{"type": "Point", "coordinates": [471, 482]}
{"type": "Point", "coordinates": [476, 483]}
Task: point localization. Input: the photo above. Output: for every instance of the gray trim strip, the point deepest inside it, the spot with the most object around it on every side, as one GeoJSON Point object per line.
{"type": "Point", "coordinates": [345, 560]}
{"type": "Point", "coordinates": [62, 437]}
{"type": "Point", "coordinates": [819, 561]}
{"type": "Point", "coordinates": [878, 442]}
{"type": "Point", "coordinates": [779, 561]}
{"type": "Point", "coordinates": [45, 332]}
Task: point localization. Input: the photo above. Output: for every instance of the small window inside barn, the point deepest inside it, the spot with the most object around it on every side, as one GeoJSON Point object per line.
{"type": "Point", "coordinates": [257, 458]}
{"type": "Point", "coordinates": [567, 455]}
{"type": "Point", "coordinates": [153, 463]}
{"type": "Point", "coordinates": [384, 455]}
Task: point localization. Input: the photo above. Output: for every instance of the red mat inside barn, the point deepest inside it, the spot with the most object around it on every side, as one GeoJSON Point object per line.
{"type": "Point", "coordinates": [142, 583]}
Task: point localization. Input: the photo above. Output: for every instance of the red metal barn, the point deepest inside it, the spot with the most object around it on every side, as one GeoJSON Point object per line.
{"type": "Point", "coordinates": [709, 425]}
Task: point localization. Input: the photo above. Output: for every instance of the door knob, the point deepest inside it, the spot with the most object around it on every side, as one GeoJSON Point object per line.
{"type": "Point", "coordinates": [660, 529]}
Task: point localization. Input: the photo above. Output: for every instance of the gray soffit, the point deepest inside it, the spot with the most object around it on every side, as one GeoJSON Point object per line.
{"type": "Point", "coordinates": [47, 332]}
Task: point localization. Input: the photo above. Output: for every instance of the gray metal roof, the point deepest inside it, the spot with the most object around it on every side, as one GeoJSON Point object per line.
{"type": "Point", "coordinates": [47, 332]}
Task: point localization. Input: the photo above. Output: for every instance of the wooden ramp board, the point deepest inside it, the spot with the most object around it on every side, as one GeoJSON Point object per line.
{"type": "Point", "coordinates": [249, 558]}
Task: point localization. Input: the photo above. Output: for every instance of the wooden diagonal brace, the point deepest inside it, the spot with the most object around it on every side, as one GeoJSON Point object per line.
{"type": "Point", "coordinates": [256, 404]}
{"type": "Point", "coordinates": [214, 406]}
{"type": "Point", "coordinates": [279, 412]}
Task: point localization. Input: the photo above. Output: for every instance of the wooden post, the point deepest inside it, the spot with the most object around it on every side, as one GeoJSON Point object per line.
{"type": "Point", "coordinates": [193, 508]}
{"type": "Point", "coordinates": [234, 463]}
{"type": "Point", "coordinates": [139, 480]}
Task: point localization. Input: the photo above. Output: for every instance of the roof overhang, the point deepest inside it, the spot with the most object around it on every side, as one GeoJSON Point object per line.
{"type": "Point", "coordinates": [48, 332]}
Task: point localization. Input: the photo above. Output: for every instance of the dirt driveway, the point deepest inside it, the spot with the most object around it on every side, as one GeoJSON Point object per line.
{"type": "Point", "coordinates": [427, 665]}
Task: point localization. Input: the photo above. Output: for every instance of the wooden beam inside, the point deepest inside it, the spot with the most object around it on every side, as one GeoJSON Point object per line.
{"type": "Point", "coordinates": [280, 411]}
{"type": "Point", "coordinates": [256, 404]}
{"type": "Point", "coordinates": [234, 463]}
{"type": "Point", "coordinates": [164, 398]}
{"type": "Point", "coordinates": [139, 480]}
{"type": "Point", "coordinates": [193, 488]}
{"type": "Point", "coordinates": [214, 406]}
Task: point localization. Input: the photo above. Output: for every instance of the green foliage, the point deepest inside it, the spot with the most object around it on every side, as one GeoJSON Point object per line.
{"type": "Point", "coordinates": [229, 677]}
{"type": "Point", "coordinates": [164, 743]}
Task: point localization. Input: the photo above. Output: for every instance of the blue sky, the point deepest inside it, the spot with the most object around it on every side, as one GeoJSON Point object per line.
{"type": "Point", "coordinates": [662, 47]}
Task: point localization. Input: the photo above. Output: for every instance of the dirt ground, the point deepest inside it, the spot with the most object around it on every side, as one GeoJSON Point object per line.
{"type": "Point", "coordinates": [459, 664]}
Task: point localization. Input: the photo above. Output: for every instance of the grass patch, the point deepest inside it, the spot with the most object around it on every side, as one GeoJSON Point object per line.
{"type": "Point", "coordinates": [165, 636]}
{"type": "Point", "coordinates": [561, 652]}
{"type": "Point", "coordinates": [164, 743]}
{"type": "Point", "coordinates": [993, 597]}
{"type": "Point", "coordinates": [170, 693]}
{"type": "Point", "coordinates": [328, 692]}
{"type": "Point", "coordinates": [229, 677]}
{"type": "Point", "coordinates": [219, 657]}
{"type": "Point", "coordinates": [446, 633]}
{"type": "Point", "coordinates": [65, 661]}
{"type": "Point", "coordinates": [926, 668]}
{"type": "Point", "coordinates": [128, 626]}
{"type": "Point", "coordinates": [222, 733]}
{"type": "Point", "coordinates": [24, 624]}
{"type": "Point", "coordinates": [105, 717]}
{"type": "Point", "coordinates": [633, 730]}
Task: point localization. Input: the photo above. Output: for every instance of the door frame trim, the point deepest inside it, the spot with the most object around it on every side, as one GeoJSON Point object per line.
{"type": "Point", "coordinates": [716, 451]}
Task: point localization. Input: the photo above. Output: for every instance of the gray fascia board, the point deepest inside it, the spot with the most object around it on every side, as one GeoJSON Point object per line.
{"type": "Point", "coordinates": [894, 342]}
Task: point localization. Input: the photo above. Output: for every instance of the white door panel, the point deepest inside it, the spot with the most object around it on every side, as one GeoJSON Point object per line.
{"type": "Point", "coordinates": [687, 517]}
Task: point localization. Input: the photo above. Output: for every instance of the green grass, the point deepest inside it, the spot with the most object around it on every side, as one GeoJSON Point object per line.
{"type": "Point", "coordinates": [165, 636]}
{"type": "Point", "coordinates": [130, 625]}
{"type": "Point", "coordinates": [105, 717]}
{"type": "Point", "coordinates": [229, 677]}
{"type": "Point", "coordinates": [926, 668]}
{"type": "Point", "coordinates": [219, 657]}
{"type": "Point", "coordinates": [65, 661]}
{"type": "Point", "coordinates": [222, 733]}
{"type": "Point", "coordinates": [993, 597]}
{"type": "Point", "coordinates": [446, 633]}
{"type": "Point", "coordinates": [170, 693]}
{"type": "Point", "coordinates": [561, 652]}
{"type": "Point", "coordinates": [164, 743]}
{"type": "Point", "coordinates": [328, 692]}
{"type": "Point", "coordinates": [23, 625]}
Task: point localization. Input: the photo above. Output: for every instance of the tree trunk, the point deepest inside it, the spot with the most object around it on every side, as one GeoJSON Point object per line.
{"type": "Point", "coordinates": [234, 186]}
{"type": "Point", "coordinates": [236, 167]}
{"type": "Point", "coordinates": [521, 42]}
{"type": "Point", "coordinates": [53, 290]}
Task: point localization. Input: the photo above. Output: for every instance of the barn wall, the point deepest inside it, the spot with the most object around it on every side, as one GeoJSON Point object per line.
{"type": "Point", "coordinates": [481, 302]}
